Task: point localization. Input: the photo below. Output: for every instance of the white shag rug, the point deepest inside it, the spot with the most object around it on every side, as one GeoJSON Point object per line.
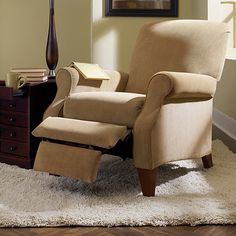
{"type": "Point", "coordinates": [185, 194]}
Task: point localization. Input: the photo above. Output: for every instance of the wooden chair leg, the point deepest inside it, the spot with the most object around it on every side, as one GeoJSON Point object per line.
{"type": "Point", "coordinates": [147, 180]}
{"type": "Point", "coordinates": [207, 161]}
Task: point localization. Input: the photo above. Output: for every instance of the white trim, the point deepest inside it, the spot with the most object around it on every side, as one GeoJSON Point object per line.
{"type": "Point", "coordinates": [230, 57]}
{"type": "Point", "coordinates": [225, 123]}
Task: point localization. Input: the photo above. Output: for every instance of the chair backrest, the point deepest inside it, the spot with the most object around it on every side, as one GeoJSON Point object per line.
{"type": "Point", "coordinates": [195, 46]}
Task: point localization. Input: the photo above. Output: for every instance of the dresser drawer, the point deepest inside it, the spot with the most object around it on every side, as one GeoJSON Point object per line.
{"type": "Point", "coordinates": [5, 92]}
{"type": "Point", "coordinates": [16, 104]}
{"type": "Point", "coordinates": [15, 119]}
{"type": "Point", "coordinates": [13, 133]}
{"type": "Point", "coordinates": [16, 148]}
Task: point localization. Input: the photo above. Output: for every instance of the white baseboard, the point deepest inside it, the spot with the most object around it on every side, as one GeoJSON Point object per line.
{"type": "Point", "coordinates": [224, 123]}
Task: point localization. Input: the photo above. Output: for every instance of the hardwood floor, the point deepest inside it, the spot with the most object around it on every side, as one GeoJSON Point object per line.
{"type": "Point", "coordinates": [125, 231]}
{"type": "Point", "coordinates": [206, 230]}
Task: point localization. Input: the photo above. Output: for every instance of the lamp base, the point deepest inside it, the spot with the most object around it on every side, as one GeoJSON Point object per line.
{"type": "Point", "coordinates": [51, 48]}
{"type": "Point", "coordinates": [51, 74]}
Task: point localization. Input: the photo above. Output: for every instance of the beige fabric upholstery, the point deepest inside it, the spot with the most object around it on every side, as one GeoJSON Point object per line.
{"type": "Point", "coordinates": [185, 131]}
{"type": "Point", "coordinates": [69, 81]}
{"type": "Point", "coordinates": [80, 131]}
{"type": "Point", "coordinates": [74, 162]}
{"type": "Point", "coordinates": [172, 80]}
{"type": "Point", "coordinates": [179, 131]}
{"type": "Point", "coordinates": [117, 83]}
{"type": "Point", "coordinates": [193, 46]}
{"type": "Point", "coordinates": [109, 107]}
{"type": "Point", "coordinates": [190, 85]}
{"type": "Point", "coordinates": [66, 79]}
{"type": "Point", "coordinates": [161, 86]}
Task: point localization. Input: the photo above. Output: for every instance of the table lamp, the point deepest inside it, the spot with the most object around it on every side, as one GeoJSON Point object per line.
{"type": "Point", "coordinates": [52, 48]}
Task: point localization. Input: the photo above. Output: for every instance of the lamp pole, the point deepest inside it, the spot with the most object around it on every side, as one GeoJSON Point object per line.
{"type": "Point", "coordinates": [52, 48]}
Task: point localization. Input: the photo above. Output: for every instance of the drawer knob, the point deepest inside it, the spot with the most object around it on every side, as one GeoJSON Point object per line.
{"type": "Point", "coordinates": [12, 134]}
{"type": "Point", "coordinates": [12, 105]}
{"type": "Point", "coordinates": [12, 119]}
{"type": "Point", "coordinates": [12, 148]}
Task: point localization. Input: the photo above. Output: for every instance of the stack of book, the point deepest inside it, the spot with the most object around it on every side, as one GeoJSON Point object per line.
{"type": "Point", "coordinates": [32, 74]}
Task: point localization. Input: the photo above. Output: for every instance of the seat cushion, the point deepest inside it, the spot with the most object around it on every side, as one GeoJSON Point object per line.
{"type": "Point", "coordinates": [109, 107]}
{"type": "Point", "coordinates": [80, 131]}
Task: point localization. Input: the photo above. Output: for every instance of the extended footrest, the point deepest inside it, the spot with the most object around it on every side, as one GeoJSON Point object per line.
{"type": "Point", "coordinates": [74, 162]}
{"type": "Point", "coordinates": [71, 160]}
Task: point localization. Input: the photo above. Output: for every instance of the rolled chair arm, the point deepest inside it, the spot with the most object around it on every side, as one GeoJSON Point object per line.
{"type": "Point", "coordinates": [66, 79]}
{"type": "Point", "coordinates": [159, 87]}
{"type": "Point", "coordinates": [164, 86]}
{"type": "Point", "coordinates": [190, 85]}
{"type": "Point", "coordinates": [167, 85]}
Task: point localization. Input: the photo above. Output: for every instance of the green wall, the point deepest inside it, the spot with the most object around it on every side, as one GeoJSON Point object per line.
{"type": "Point", "coordinates": [113, 37]}
{"type": "Point", "coordinates": [24, 26]}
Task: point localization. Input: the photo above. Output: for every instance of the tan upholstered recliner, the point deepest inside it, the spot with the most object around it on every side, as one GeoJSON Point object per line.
{"type": "Point", "coordinates": [161, 111]}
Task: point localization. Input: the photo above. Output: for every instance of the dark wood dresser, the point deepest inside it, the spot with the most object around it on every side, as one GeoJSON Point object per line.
{"type": "Point", "coordinates": [20, 112]}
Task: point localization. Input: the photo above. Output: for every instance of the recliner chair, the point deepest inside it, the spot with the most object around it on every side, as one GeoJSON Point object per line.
{"type": "Point", "coordinates": [161, 111]}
